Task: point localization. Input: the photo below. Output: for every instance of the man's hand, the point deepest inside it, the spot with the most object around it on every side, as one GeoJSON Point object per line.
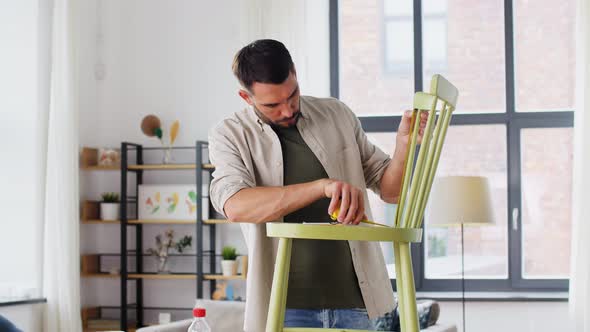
{"type": "Point", "coordinates": [391, 180]}
{"type": "Point", "coordinates": [403, 131]}
{"type": "Point", "coordinates": [350, 198]}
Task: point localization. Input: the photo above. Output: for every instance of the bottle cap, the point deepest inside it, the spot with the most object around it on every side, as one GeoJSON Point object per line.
{"type": "Point", "coordinates": [199, 312]}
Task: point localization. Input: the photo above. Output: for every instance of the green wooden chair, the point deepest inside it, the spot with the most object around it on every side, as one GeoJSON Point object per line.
{"type": "Point", "coordinates": [416, 185]}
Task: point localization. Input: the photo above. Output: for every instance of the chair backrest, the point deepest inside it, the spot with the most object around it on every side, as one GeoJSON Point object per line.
{"type": "Point", "coordinates": [417, 181]}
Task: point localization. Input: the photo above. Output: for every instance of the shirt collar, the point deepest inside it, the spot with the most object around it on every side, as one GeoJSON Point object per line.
{"type": "Point", "coordinates": [262, 124]}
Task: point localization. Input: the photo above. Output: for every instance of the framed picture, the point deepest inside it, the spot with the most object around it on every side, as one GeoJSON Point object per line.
{"type": "Point", "coordinates": [109, 157]}
{"type": "Point", "coordinates": [170, 202]}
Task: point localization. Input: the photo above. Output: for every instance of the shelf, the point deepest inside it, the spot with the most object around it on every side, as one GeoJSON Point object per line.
{"type": "Point", "coordinates": [167, 167]}
{"type": "Point", "coordinates": [97, 221]}
{"type": "Point", "coordinates": [187, 276]}
{"type": "Point", "coordinates": [161, 167]}
{"type": "Point", "coordinates": [131, 252]}
{"type": "Point", "coordinates": [89, 161]}
{"type": "Point", "coordinates": [99, 275]}
{"type": "Point", "coordinates": [176, 276]}
{"type": "Point", "coordinates": [222, 277]}
{"type": "Point", "coordinates": [164, 222]}
{"type": "Point", "coordinates": [216, 221]}
{"type": "Point", "coordinates": [101, 168]}
{"type": "Point", "coordinates": [90, 214]}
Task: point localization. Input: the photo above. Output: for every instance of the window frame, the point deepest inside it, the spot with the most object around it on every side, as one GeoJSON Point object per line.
{"type": "Point", "coordinates": [514, 122]}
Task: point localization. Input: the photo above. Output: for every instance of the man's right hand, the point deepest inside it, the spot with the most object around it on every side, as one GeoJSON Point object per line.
{"type": "Point", "coordinates": [350, 199]}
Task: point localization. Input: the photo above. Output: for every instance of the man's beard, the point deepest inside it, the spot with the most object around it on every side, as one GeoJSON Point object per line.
{"type": "Point", "coordinates": [282, 123]}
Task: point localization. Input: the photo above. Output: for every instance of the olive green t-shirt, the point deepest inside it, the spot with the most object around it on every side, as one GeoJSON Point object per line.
{"type": "Point", "coordinates": [321, 274]}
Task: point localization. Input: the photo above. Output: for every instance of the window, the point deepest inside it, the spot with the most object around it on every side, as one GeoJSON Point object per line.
{"type": "Point", "coordinates": [513, 124]}
{"type": "Point", "coordinates": [434, 25]}
{"type": "Point", "coordinates": [472, 150]}
{"type": "Point", "coordinates": [546, 201]}
{"type": "Point", "coordinates": [360, 45]}
{"type": "Point", "coordinates": [545, 55]}
{"type": "Point", "coordinates": [398, 20]}
{"type": "Point", "coordinates": [474, 52]}
{"type": "Point", "coordinates": [399, 31]}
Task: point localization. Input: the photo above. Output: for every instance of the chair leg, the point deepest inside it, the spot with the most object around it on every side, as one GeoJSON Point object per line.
{"type": "Point", "coordinates": [278, 295]}
{"type": "Point", "coordinates": [410, 310]}
{"type": "Point", "coordinates": [399, 281]}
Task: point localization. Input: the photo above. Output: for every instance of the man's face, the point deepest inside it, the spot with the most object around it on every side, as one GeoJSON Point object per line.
{"type": "Point", "coordinates": [277, 104]}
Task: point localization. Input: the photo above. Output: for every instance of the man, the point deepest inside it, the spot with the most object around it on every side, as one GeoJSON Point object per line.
{"type": "Point", "coordinates": [295, 158]}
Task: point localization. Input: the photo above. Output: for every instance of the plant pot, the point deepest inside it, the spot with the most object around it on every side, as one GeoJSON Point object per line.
{"type": "Point", "coordinates": [229, 267]}
{"type": "Point", "coordinates": [109, 211]}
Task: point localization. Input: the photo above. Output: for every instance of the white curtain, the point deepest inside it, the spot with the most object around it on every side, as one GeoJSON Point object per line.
{"type": "Point", "coordinates": [61, 233]}
{"type": "Point", "coordinates": [303, 26]}
{"type": "Point", "coordinates": [580, 272]}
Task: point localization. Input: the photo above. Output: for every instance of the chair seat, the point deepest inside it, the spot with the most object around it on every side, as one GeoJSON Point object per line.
{"type": "Point", "coordinates": [343, 232]}
{"type": "Point", "coordinates": [308, 329]}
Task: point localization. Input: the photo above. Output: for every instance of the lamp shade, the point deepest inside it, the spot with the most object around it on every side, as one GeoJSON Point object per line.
{"type": "Point", "coordinates": [456, 200]}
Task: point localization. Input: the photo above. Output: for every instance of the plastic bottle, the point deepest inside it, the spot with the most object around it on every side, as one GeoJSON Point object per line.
{"type": "Point", "coordinates": [199, 323]}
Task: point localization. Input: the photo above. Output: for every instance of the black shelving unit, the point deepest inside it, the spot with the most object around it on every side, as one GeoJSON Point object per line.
{"type": "Point", "coordinates": [127, 169]}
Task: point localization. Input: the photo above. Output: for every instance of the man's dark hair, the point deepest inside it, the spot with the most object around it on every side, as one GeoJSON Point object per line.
{"type": "Point", "coordinates": [262, 61]}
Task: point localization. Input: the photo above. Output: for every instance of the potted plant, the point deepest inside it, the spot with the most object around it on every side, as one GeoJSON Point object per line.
{"type": "Point", "coordinates": [229, 266]}
{"type": "Point", "coordinates": [109, 207]}
{"type": "Point", "coordinates": [163, 248]}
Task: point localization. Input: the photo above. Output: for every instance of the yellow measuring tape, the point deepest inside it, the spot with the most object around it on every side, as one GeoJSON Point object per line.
{"type": "Point", "coordinates": [335, 214]}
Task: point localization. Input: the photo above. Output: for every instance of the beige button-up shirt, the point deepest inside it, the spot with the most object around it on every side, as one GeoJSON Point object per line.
{"type": "Point", "coordinates": [247, 153]}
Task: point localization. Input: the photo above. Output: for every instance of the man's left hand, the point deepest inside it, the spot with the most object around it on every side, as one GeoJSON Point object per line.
{"type": "Point", "coordinates": [403, 132]}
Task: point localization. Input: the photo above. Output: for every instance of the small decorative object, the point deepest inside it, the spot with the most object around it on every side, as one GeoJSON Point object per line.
{"type": "Point", "coordinates": [173, 134]}
{"type": "Point", "coordinates": [229, 265]}
{"type": "Point", "coordinates": [164, 318]}
{"type": "Point", "coordinates": [163, 247]}
{"type": "Point", "coordinates": [170, 202]}
{"type": "Point", "coordinates": [109, 157]}
{"type": "Point", "coordinates": [151, 126]}
{"type": "Point", "coordinates": [109, 207]}
{"type": "Point", "coordinates": [219, 293]}
{"type": "Point", "coordinates": [229, 292]}
{"type": "Point", "coordinates": [224, 291]}
{"type": "Point", "coordinates": [114, 270]}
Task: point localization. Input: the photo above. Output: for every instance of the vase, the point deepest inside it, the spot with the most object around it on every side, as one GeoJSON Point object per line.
{"type": "Point", "coordinates": [162, 265]}
{"type": "Point", "coordinates": [109, 211]}
{"type": "Point", "coordinates": [229, 267]}
{"type": "Point", "coordinates": [167, 155]}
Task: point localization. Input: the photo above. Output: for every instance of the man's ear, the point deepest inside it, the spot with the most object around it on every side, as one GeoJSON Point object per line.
{"type": "Point", "coordinates": [246, 96]}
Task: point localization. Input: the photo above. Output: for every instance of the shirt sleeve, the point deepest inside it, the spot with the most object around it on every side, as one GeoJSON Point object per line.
{"type": "Point", "coordinates": [231, 174]}
{"type": "Point", "coordinates": [373, 159]}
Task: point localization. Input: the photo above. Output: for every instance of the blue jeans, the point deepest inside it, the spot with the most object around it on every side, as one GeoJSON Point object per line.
{"type": "Point", "coordinates": [329, 318]}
